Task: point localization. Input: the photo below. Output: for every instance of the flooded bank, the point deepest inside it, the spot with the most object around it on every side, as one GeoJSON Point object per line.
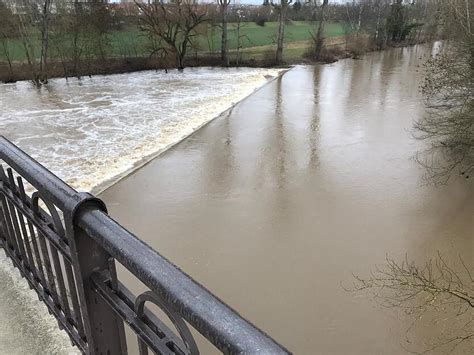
{"type": "Point", "coordinates": [275, 205]}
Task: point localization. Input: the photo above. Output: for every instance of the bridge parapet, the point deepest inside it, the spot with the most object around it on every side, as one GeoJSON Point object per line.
{"type": "Point", "coordinates": [66, 246]}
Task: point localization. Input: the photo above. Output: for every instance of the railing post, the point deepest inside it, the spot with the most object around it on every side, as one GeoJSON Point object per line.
{"type": "Point", "coordinates": [104, 330]}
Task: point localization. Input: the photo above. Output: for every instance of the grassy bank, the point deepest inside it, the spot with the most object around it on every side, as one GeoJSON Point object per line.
{"type": "Point", "coordinates": [133, 43]}
{"type": "Point", "coordinates": [127, 51]}
{"type": "Point", "coordinates": [256, 36]}
{"type": "Point", "coordinates": [296, 52]}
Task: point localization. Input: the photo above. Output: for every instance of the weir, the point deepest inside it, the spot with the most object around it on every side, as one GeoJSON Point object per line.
{"type": "Point", "coordinates": [67, 247]}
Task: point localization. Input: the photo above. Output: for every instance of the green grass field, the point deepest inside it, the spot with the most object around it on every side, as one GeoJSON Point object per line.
{"type": "Point", "coordinates": [262, 36]}
{"type": "Point", "coordinates": [132, 42]}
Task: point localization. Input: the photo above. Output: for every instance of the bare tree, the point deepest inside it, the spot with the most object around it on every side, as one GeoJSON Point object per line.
{"type": "Point", "coordinates": [24, 21]}
{"type": "Point", "coordinates": [45, 20]}
{"type": "Point", "coordinates": [30, 20]}
{"type": "Point", "coordinates": [174, 25]}
{"type": "Point", "coordinates": [448, 126]}
{"type": "Point", "coordinates": [240, 36]}
{"type": "Point", "coordinates": [354, 14]}
{"type": "Point", "coordinates": [7, 32]}
{"type": "Point", "coordinates": [428, 293]}
{"type": "Point", "coordinates": [37, 15]}
{"type": "Point", "coordinates": [318, 38]}
{"type": "Point", "coordinates": [212, 24]}
{"type": "Point", "coordinates": [380, 8]}
{"type": "Point", "coordinates": [282, 8]}
{"type": "Point", "coordinates": [223, 6]}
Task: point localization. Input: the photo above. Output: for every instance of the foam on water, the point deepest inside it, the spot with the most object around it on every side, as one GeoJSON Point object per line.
{"type": "Point", "coordinates": [92, 131]}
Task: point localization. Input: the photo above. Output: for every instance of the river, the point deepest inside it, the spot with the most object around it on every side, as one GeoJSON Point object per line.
{"type": "Point", "coordinates": [274, 205]}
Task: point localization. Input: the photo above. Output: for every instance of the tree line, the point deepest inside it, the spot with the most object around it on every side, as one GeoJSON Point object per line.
{"type": "Point", "coordinates": [76, 33]}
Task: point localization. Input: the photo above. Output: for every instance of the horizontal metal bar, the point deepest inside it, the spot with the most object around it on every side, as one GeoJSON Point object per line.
{"type": "Point", "coordinates": [220, 324]}
{"type": "Point", "coordinates": [150, 319]}
{"type": "Point", "coordinates": [156, 343]}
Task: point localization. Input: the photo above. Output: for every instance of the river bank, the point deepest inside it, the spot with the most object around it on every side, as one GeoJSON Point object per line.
{"type": "Point", "coordinates": [299, 52]}
{"type": "Point", "coordinates": [301, 185]}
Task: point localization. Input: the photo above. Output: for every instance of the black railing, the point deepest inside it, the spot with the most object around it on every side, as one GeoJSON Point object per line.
{"type": "Point", "coordinates": [66, 246]}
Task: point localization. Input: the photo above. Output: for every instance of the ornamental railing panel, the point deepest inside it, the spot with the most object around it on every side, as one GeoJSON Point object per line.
{"type": "Point", "coordinates": [66, 247]}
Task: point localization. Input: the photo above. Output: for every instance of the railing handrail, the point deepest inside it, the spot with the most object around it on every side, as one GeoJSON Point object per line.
{"type": "Point", "coordinates": [224, 327]}
{"type": "Point", "coordinates": [219, 323]}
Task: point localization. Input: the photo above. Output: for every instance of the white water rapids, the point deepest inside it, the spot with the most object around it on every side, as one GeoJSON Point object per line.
{"type": "Point", "coordinates": [90, 133]}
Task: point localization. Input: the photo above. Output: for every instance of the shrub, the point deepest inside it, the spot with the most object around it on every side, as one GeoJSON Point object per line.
{"type": "Point", "coordinates": [260, 21]}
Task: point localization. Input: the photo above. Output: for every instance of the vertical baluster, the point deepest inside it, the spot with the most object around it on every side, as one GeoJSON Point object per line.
{"type": "Point", "coordinates": [51, 285]}
{"type": "Point", "coordinates": [74, 299]}
{"type": "Point", "coordinates": [39, 262]}
{"type": "Point", "coordinates": [56, 226]}
{"type": "Point", "coordinates": [3, 177]}
{"type": "Point", "coordinates": [32, 235]}
{"type": "Point", "coordinates": [11, 232]}
{"type": "Point", "coordinates": [26, 238]}
{"type": "Point", "coordinates": [142, 347]}
{"type": "Point", "coordinates": [2, 231]}
{"type": "Point", "coordinates": [17, 233]}
{"type": "Point", "coordinates": [13, 216]}
{"type": "Point", "coordinates": [4, 228]}
{"type": "Point", "coordinates": [5, 216]}
{"type": "Point", "coordinates": [60, 281]}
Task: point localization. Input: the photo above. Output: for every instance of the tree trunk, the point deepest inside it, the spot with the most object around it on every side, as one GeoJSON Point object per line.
{"type": "Point", "coordinates": [238, 43]}
{"type": "Point", "coordinates": [377, 27]}
{"type": "Point", "coordinates": [359, 22]}
{"type": "Point", "coordinates": [181, 54]}
{"type": "Point", "coordinates": [28, 48]}
{"type": "Point", "coordinates": [281, 33]}
{"type": "Point", "coordinates": [224, 43]}
{"type": "Point", "coordinates": [44, 42]}
{"type": "Point", "coordinates": [320, 33]}
{"type": "Point", "coordinates": [179, 61]}
{"type": "Point", "coordinates": [6, 51]}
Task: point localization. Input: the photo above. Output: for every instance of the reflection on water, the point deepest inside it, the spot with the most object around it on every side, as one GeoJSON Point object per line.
{"type": "Point", "coordinates": [309, 180]}
{"type": "Point", "coordinates": [436, 296]}
{"type": "Point", "coordinates": [91, 131]}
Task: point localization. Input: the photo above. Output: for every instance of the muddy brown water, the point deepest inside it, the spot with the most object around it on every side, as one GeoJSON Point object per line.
{"type": "Point", "coordinates": [274, 205]}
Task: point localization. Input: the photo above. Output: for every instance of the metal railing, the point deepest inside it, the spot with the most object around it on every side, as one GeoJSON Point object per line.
{"type": "Point", "coordinates": [65, 245]}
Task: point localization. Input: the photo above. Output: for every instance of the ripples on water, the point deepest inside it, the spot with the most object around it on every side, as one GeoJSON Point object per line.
{"type": "Point", "coordinates": [92, 131]}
